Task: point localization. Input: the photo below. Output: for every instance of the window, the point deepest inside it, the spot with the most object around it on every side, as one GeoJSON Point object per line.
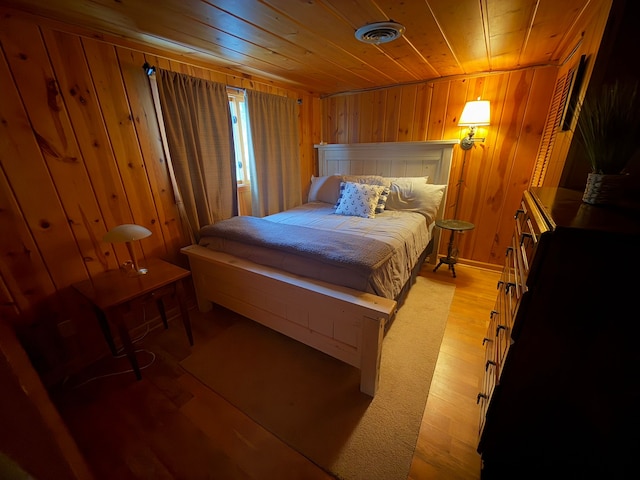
{"type": "Point", "coordinates": [240, 124]}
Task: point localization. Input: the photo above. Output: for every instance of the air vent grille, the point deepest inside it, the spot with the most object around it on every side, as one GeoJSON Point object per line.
{"type": "Point", "coordinates": [381, 32]}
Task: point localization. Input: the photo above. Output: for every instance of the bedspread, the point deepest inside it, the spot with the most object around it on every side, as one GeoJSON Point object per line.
{"type": "Point", "coordinates": [405, 234]}
{"type": "Point", "coordinates": [328, 246]}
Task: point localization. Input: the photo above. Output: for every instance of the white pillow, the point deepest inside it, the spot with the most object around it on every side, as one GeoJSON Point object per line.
{"type": "Point", "coordinates": [359, 199]}
{"type": "Point", "coordinates": [325, 189]}
{"type": "Point", "coordinates": [403, 188]}
{"type": "Point", "coordinates": [408, 180]}
{"type": "Point", "coordinates": [417, 197]}
{"type": "Point", "coordinates": [369, 179]}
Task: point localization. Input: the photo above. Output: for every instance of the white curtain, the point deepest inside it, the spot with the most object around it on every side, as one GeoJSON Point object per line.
{"type": "Point", "coordinates": [275, 153]}
{"type": "Point", "coordinates": [199, 137]}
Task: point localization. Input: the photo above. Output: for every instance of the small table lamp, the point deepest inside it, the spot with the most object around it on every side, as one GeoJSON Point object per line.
{"type": "Point", "coordinates": [128, 233]}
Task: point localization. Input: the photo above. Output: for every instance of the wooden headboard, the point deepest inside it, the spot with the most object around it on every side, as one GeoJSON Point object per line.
{"type": "Point", "coordinates": [389, 159]}
{"type": "Point", "coordinates": [392, 159]}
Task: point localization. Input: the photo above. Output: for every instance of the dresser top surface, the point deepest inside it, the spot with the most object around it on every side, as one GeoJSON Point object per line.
{"type": "Point", "coordinates": [564, 208]}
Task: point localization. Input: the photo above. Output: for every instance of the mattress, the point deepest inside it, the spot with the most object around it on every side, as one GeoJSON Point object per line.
{"type": "Point", "coordinates": [406, 233]}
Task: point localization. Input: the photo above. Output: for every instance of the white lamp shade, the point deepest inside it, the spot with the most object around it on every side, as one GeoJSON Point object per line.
{"type": "Point", "coordinates": [475, 113]}
{"type": "Point", "coordinates": [127, 232]}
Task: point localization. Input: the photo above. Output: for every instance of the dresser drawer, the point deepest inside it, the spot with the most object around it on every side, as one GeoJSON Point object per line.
{"type": "Point", "coordinates": [502, 331]}
{"type": "Point", "coordinates": [527, 231]}
{"type": "Point", "coordinates": [519, 266]}
{"type": "Point", "coordinates": [530, 226]}
{"type": "Point", "coordinates": [516, 278]}
{"type": "Point", "coordinates": [488, 387]}
{"type": "Point", "coordinates": [489, 379]}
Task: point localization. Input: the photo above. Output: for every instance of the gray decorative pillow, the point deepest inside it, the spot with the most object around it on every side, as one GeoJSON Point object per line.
{"type": "Point", "coordinates": [325, 189]}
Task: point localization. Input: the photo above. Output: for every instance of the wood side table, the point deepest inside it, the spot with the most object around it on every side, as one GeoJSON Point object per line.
{"type": "Point", "coordinates": [452, 249]}
{"type": "Point", "coordinates": [114, 293]}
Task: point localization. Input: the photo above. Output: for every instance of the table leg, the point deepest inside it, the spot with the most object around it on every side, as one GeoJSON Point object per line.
{"type": "Point", "coordinates": [128, 348]}
{"type": "Point", "coordinates": [163, 314]}
{"type": "Point", "coordinates": [106, 331]}
{"type": "Point", "coordinates": [450, 247]}
{"type": "Point", "coordinates": [451, 254]}
{"type": "Point", "coordinates": [184, 311]}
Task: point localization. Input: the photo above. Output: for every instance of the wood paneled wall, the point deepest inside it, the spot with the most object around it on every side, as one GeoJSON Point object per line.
{"type": "Point", "coordinates": [496, 171]}
{"type": "Point", "coordinates": [80, 152]}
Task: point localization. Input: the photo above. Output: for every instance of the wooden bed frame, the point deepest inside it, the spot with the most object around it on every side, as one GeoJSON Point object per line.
{"type": "Point", "coordinates": [344, 323]}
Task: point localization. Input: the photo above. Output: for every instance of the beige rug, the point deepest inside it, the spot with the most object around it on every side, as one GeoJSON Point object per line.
{"type": "Point", "coordinates": [312, 401]}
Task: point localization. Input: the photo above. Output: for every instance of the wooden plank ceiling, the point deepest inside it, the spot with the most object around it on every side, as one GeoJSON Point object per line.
{"type": "Point", "coordinates": [310, 44]}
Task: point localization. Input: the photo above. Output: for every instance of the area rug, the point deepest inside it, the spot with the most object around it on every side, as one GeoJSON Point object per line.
{"type": "Point", "coordinates": [312, 402]}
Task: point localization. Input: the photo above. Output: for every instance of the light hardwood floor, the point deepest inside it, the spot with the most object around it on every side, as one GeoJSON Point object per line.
{"type": "Point", "coordinates": [168, 425]}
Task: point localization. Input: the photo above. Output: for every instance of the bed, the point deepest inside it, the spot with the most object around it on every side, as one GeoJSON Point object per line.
{"type": "Point", "coordinates": [345, 305]}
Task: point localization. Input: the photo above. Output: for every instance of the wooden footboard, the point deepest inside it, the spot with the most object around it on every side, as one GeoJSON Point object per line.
{"type": "Point", "coordinates": [339, 321]}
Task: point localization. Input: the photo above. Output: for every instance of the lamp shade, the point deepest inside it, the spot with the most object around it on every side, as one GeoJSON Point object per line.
{"type": "Point", "coordinates": [475, 113]}
{"type": "Point", "coordinates": [127, 232]}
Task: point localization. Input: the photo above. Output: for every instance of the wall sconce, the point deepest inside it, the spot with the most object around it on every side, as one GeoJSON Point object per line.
{"type": "Point", "coordinates": [128, 233]}
{"type": "Point", "coordinates": [474, 114]}
{"type": "Point", "coordinates": [148, 69]}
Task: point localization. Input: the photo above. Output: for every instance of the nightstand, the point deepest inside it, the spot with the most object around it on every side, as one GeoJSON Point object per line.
{"type": "Point", "coordinates": [456, 226]}
{"type": "Point", "coordinates": [114, 293]}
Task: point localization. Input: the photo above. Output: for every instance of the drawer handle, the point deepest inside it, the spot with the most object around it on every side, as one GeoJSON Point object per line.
{"type": "Point", "coordinates": [493, 312]}
{"type": "Point", "coordinates": [488, 364]}
{"type": "Point", "coordinates": [508, 251]}
{"type": "Point", "coordinates": [485, 340]}
{"type": "Point", "coordinates": [518, 213]}
{"type": "Point", "coordinates": [500, 327]}
{"type": "Point", "coordinates": [509, 286]}
{"type": "Point", "coordinates": [480, 396]}
{"type": "Point", "coordinates": [500, 283]}
{"type": "Point", "coordinates": [524, 236]}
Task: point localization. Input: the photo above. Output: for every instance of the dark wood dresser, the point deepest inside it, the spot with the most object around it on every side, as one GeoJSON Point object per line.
{"type": "Point", "coordinates": [561, 390]}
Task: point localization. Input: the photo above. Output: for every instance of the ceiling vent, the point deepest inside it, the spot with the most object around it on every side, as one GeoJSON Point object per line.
{"type": "Point", "coordinates": [380, 32]}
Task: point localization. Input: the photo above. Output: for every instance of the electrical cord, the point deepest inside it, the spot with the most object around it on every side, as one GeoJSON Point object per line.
{"type": "Point", "coordinates": [122, 372]}
{"type": "Point", "coordinates": [130, 370]}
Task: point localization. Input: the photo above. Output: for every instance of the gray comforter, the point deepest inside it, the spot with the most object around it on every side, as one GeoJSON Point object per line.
{"type": "Point", "coordinates": [331, 247]}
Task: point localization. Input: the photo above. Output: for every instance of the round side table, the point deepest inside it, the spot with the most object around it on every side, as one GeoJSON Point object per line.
{"type": "Point", "coordinates": [454, 226]}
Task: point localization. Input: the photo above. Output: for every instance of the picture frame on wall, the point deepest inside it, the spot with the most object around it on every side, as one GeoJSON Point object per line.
{"type": "Point", "coordinates": [571, 100]}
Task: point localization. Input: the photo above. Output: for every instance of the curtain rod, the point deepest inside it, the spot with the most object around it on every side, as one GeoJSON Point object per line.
{"type": "Point", "coordinates": [151, 70]}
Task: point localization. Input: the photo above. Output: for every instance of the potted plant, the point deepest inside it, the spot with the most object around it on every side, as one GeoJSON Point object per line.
{"type": "Point", "coordinates": [608, 128]}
